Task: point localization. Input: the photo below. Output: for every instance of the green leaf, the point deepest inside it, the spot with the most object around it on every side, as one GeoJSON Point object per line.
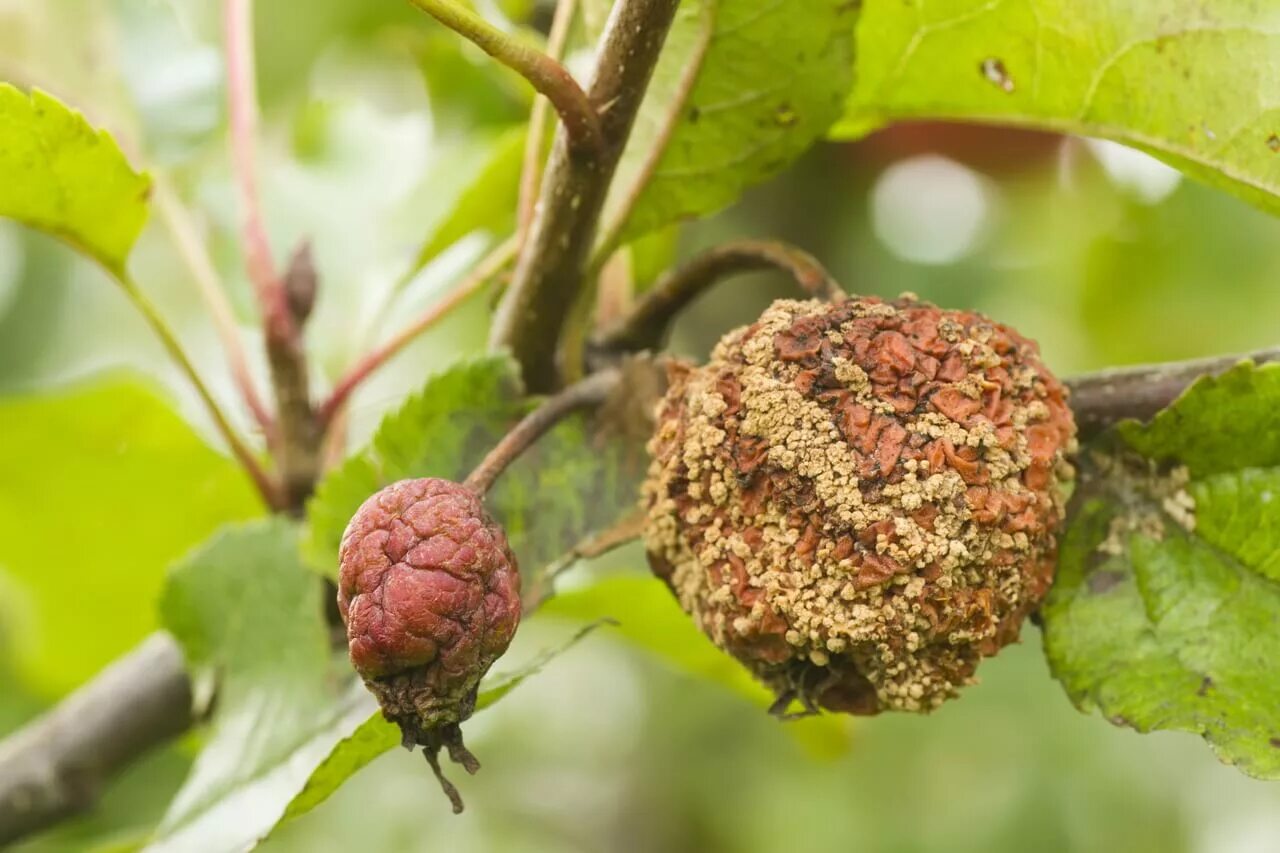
{"type": "Point", "coordinates": [1167, 620]}
{"type": "Point", "coordinates": [376, 736]}
{"type": "Point", "coordinates": [652, 255]}
{"type": "Point", "coordinates": [60, 175]}
{"type": "Point", "coordinates": [742, 88]}
{"type": "Point", "coordinates": [372, 738]}
{"type": "Point", "coordinates": [245, 609]}
{"type": "Point", "coordinates": [484, 180]}
{"type": "Point", "coordinates": [448, 427]}
{"type": "Point", "coordinates": [1182, 80]}
{"type": "Point", "coordinates": [1223, 424]}
{"type": "Point", "coordinates": [101, 487]}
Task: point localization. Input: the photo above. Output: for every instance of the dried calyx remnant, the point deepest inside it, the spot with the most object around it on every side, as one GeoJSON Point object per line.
{"type": "Point", "coordinates": [859, 500]}
{"type": "Point", "coordinates": [430, 594]}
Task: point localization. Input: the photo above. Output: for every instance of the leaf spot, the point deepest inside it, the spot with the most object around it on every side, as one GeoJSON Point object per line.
{"type": "Point", "coordinates": [996, 74]}
{"type": "Point", "coordinates": [1273, 142]}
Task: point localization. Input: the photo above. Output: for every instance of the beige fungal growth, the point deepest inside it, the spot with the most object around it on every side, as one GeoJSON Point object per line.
{"type": "Point", "coordinates": [1151, 498]}
{"type": "Point", "coordinates": [859, 501]}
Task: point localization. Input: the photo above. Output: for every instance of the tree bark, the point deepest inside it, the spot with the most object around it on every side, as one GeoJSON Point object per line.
{"type": "Point", "coordinates": [57, 766]}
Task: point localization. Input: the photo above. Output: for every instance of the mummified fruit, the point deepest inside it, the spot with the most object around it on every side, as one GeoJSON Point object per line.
{"type": "Point", "coordinates": [860, 500]}
{"type": "Point", "coordinates": [430, 594]}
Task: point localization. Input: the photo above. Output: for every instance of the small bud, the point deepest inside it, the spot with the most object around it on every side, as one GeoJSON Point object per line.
{"type": "Point", "coordinates": [300, 283]}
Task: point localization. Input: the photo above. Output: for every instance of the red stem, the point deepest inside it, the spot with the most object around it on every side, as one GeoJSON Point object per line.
{"type": "Point", "coordinates": [379, 356]}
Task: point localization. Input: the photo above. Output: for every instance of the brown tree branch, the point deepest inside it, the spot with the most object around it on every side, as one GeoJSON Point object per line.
{"type": "Point", "coordinates": [54, 768]}
{"type": "Point", "coordinates": [1101, 399]}
{"type": "Point", "coordinates": [57, 766]}
{"type": "Point", "coordinates": [647, 324]}
{"type": "Point", "coordinates": [551, 269]}
{"type": "Point", "coordinates": [589, 392]}
{"type": "Point", "coordinates": [535, 144]}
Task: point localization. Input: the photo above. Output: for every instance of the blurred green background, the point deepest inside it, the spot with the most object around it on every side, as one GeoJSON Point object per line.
{"type": "Point", "coordinates": [375, 125]}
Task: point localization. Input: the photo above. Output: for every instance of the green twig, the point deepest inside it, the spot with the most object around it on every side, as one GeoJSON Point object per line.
{"type": "Point", "coordinates": [547, 75]}
{"type": "Point", "coordinates": [266, 487]}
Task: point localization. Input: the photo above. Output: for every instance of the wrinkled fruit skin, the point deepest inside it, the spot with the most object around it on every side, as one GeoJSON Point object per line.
{"type": "Point", "coordinates": [430, 593]}
{"type": "Point", "coordinates": [859, 501]}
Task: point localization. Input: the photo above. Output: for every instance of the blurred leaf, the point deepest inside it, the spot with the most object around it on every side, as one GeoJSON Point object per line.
{"type": "Point", "coordinates": [649, 618]}
{"type": "Point", "coordinates": [595, 14]}
{"type": "Point", "coordinates": [1181, 80]}
{"type": "Point", "coordinates": [60, 175]}
{"type": "Point", "coordinates": [496, 688]}
{"type": "Point", "coordinates": [741, 90]}
{"type": "Point", "coordinates": [174, 78]}
{"type": "Point", "coordinates": [245, 608]}
{"type": "Point", "coordinates": [288, 44]}
{"type": "Point", "coordinates": [376, 735]}
{"type": "Point", "coordinates": [1171, 258]}
{"type": "Point", "coordinates": [652, 255]}
{"type": "Point", "coordinates": [484, 179]}
{"type": "Point", "coordinates": [1164, 625]}
{"type": "Point", "coordinates": [101, 487]}
{"type": "Point", "coordinates": [468, 90]}
{"type": "Point", "coordinates": [448, 428]}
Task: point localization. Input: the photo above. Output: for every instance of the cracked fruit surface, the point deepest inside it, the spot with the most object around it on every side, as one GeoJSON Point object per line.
{"type": "Point", "coordinates": [860, 500]}
{"type": "Point", "coordinates": [430, 594]}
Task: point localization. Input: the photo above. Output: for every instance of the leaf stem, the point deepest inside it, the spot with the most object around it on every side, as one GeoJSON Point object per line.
{"type": "Point", "coordinates": [589, 392]}
{"type": "Point", "coordinates": [177, 219]}
{"type": "Point", "coordinates": [483, 272]}
{"type": "Point", "coordinates": [647, 324]}
{"type": "Point", "coordinates": [546, 74]}
{"type": "Point", "coordinates": [266, 486]}
{"type": "Point", "coordinates": [243, 115]}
